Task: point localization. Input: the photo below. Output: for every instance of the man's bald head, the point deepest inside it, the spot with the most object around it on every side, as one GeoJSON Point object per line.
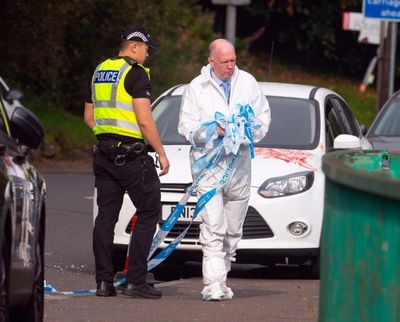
{"type": "Point", "coordinates": [222, 58]}
{"type": "Point", "coordinates": [218, 46]}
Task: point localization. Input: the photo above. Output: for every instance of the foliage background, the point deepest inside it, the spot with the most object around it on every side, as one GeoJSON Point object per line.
{"type": "Point", "coordinates": [52, 47]}
{"type": "Point", "coordinates": [310, 34]}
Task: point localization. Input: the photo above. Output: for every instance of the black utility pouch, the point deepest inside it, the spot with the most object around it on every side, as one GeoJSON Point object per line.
{"type": "Point", "coordinates": [150, 179]}
{"type": "Point", "coordinates": [110, 152]}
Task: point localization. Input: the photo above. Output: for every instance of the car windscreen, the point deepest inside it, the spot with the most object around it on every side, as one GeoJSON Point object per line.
{"type": "Point", "coordinates": [294, 122]}
{"type": "Point", "coordinates": [388, 123]}
{"type": "Point", "coordinates": [166, 115]}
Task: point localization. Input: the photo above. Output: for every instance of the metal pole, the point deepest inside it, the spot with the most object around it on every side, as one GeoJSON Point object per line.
{"type": "Point", "coordinates": [230, 24]}
{"type": "Point", "coordinates": [392, 57]}
{"type": "Point", "coordinates": [383, 65]}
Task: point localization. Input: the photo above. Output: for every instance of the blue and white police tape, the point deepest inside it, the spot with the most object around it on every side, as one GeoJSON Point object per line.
{"type": "Point", "coordinates": [48, 288]}
{"type": "Point", "coordinates": [209, 161]}
{"type": "Point", "coordinates": [237, 129]}
{"type": "Point", "coordinates": [204, 198]}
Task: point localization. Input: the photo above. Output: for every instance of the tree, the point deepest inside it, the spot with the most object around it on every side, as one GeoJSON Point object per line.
{"type": "Point", "coordinates": [310, 33]}
{"type": "Point", "coordinates": [52, 47]}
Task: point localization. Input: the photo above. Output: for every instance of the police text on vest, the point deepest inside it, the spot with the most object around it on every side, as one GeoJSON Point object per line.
{"type": "Point", "coordinates": [106, 76]}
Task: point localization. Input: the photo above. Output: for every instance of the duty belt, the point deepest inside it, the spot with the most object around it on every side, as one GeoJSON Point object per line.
{"type": "Point", "coordinates": [128, 151]}
{"type": "Point", "coordinates": [119, 153]}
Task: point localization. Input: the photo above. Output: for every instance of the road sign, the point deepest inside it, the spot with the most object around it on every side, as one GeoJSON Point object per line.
{"type": "Point", "coordinates": [369, 28]}
{"type": "Point", "coordinates": [382, 9]}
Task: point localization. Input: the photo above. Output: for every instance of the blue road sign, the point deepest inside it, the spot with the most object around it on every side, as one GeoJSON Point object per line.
{"type": "Point", "coordinates": [382, 9]}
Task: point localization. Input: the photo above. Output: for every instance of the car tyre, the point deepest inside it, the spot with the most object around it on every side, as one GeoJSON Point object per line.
{"type": "Point", "coordinates": [175, 259]}
{"type": "Point", "coordinates": [32, 311]}
{"type": "Point", "coordinates": [315, 267]}
{"type": "Point", "coordinates": [4, 280]}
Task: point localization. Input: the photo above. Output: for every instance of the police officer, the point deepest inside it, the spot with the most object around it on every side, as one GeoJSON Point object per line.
{"type": "Point", "coordinates": [119, 114]}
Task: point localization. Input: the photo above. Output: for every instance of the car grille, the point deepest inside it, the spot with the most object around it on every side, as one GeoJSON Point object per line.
{"type": "Point", "coordinates": [254, 227]}
{"type": "Point", "coordinates": [193, 232]}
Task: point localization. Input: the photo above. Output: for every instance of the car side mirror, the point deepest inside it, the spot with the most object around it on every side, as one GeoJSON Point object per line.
{"type": "Point", "coordinates": [26, 128]}
{"type": "Point", "coordinates": [346, 141]}
{"type": "Point", "coordinates": [13, 95]}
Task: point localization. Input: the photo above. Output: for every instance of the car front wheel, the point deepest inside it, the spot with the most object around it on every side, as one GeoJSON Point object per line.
{"type": "Point", "coordinates": [315, 267]}
{"type": "Point", "coordinates": [4, 280]}
{"type": "Point", "coordinates": [32, 311]}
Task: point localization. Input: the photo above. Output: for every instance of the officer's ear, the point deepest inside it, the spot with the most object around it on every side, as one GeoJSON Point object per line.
{"type": "Point", "coordinates": [134, 46]}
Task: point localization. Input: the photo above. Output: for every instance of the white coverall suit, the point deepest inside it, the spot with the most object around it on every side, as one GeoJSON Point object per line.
{"type": "Point", "coordinates": [224, 214]}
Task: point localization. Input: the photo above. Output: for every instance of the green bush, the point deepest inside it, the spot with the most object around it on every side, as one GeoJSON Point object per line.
{"type": "Point", "coordinates": [55, 45]}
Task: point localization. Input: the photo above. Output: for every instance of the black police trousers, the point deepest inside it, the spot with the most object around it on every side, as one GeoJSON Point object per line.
{"type": "Point", "coordinates": [140, 180]}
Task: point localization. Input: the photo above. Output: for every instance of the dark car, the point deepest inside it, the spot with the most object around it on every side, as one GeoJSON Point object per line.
{"type": "Point", "coordinates": [22, 212]}
{"type": "Point", "coordinates": [384, 133]}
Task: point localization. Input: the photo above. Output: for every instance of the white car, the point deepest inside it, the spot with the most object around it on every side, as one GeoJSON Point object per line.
{"type": "Point", "coordinates": [283, 222]}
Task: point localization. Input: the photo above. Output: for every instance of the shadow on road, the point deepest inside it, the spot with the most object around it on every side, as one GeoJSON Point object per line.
{"type": "Point", "coordinates": [175, 271]}
{"type": "Point", "coordinates": [178, 266]}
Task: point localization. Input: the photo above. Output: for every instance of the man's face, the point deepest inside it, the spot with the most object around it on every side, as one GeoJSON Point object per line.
{"type": "Point", "coordinates": [223, 62]}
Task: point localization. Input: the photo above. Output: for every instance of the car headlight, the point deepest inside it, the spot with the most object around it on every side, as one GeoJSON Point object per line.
{"type": "Point", "coordinates": [287, 185]}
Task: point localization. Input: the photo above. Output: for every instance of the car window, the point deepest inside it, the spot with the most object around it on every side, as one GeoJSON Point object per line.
{"type": "Point", "coordinates": [166, 115]}
{"type": "Point", "coordinates": [333, 128]}
{"type": "Point", "coordinates": [343, 116]}
{"type": "Point", "coordinates": [294, 122]}
{"type": "Point", "coordinates": [339, 120]}
{"type": "Point", "coordinates": [389, 122]}
{"type": "Point", "coordinates": [3, 117]}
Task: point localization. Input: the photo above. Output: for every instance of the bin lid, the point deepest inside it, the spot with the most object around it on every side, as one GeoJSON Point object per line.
{"type": "Point", "coordinates": [376, 172]}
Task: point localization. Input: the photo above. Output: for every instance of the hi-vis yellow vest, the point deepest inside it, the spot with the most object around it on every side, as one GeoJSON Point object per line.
{"type": "Point", "coordinates": [113, 111]}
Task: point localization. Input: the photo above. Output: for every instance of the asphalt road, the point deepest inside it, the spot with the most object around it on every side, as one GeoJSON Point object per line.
{"type": "Point", "coordinates": [261, 293]}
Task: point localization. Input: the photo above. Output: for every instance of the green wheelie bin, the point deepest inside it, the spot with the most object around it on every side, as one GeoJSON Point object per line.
{"type": "Point", "coordinates": [360, 240]}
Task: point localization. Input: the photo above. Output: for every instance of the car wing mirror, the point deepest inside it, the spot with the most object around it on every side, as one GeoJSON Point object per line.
{"type": "Point", "coordinates": [347, 141]}
{"type": "Point", "coordinates": [26, 128]}
{"type": "Point", "coordinates": [13, 95]}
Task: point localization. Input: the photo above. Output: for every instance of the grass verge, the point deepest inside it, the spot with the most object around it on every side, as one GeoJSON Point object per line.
{"type": "Point", "coordinates": [67, 136]}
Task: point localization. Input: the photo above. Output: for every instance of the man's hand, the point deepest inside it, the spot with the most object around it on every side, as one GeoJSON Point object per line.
{"type": "Point", "coordinates": [164, 164]}
{"type": "Point", "coordinates": [220, 131]}
{"type": "Point", "coordinates": [142, 109]}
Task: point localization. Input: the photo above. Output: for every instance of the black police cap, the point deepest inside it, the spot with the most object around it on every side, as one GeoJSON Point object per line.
{"type": "Point", "coordinates": [135, 33]}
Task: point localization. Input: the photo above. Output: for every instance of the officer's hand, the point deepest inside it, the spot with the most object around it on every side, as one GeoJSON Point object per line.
{"type": "Point", "coordinates": [164, 165]}
{"type": "Point", "coordinates": [220, 131]}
